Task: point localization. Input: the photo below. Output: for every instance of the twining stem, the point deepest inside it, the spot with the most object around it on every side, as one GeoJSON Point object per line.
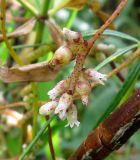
{"type": "Point", "coordinates": [108, 22]}
{"type": "Point", "coordinates": [81, 57]}
{"type": "Point", "coordinates": [3, 30]}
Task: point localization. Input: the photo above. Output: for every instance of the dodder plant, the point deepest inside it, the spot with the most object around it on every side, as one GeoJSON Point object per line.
{"type": "Point", "coordinates": [72, 46]}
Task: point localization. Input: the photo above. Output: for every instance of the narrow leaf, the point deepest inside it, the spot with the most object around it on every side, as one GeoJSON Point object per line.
{"type": "Point", "coordinates": [109, 32]}
{"type": "Point", "coordinates": [117, 54]}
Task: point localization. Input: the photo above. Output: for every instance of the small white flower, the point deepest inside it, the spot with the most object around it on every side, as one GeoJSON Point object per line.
{"type": "Point", "coordinates": [72, 117]}
{"type": "Point", "coordinates": [58, 89]}
{"type": "Point", "coordinates": [96, 76]}
{"type": "Point", "coordinates": [48, 108]}
{"type": "Point", "coordinates": [65, 102]}
{"type": "Point", "coordinates": [53, 93]}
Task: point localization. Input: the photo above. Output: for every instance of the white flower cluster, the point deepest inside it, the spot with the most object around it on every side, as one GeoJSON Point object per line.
{"type": "Point", "coordinates": [62, 103]}
{"type": "Point", "coordinates": [64, 108]}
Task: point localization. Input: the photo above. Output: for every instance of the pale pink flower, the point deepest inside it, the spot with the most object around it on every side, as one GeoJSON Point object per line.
{"type": "Point", "coordinates": [65, 102]}
{"type": "Point", "coordinates": [58, 89]}
{"type": "Point", "coordinates": [48, 108]}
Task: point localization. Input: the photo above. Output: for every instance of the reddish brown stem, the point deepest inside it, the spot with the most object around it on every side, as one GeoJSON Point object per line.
{"type": "Point", "coordinates": [50, 140]}
{"type": "Point", "coordinates": [108, 22]}
{"type": "Point", "coordinates": [113, 132]}
{"type": "Point", "coordinates": [87, 47]}
{"type": "Point", "coordinates": [104, 16]}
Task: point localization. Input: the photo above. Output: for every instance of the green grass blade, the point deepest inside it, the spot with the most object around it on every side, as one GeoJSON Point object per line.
{"type": "Point", "coordinates": [115, 55]}
{"type": "Point", "coordinates": [28, 6]}
{"type": "Point", "coordinates": [129, 84]}
{"type": "Point", "coordinates": [29, 147]}
{"type": "Point", "coordinates": [71, 18]}
{"type": "Point", "coordinates": [29, 46]}
{"type": "Point", "coordinates": [109, 32]}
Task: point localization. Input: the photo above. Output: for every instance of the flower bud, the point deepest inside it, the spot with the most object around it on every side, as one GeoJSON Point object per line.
{"type": "Point", "coordinates": [83, 87]}
{"type": "Point", "coordinates": [106, 48]}
{"type": "Point", "coordinates": [72, 36]}
{"type": "Point", "coordinates": [48, 108]}
{"type": "Point", "coordinates": [58, 89]}
{"type": "Point", "coordinates": [62, 55]}
{"type": "Point", "coordinates": [72, 117]}
{"type": "Point", "coordinates": [95, 76]}
{"type": "Point", "coordinates": [65, 102]}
